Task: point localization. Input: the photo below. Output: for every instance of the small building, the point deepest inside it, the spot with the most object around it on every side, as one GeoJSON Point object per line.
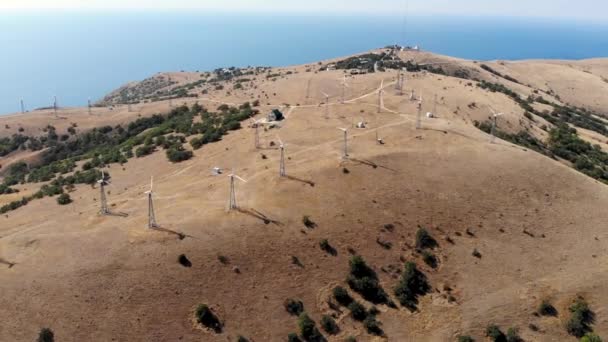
{"type": "Point", "coordinates": [275, 115]}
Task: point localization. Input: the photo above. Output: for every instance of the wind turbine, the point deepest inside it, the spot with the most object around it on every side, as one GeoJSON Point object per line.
{"type": "Point", "coordinates": [419, 116]}
{"type": "Point", "coordinates": [494, 120]}
{"type": "Point", "coordinates": [232, 204]}
{"type": "Point", "coordinates": [55, 106]}
{"type": "Point", "coordinates": [381, 97]}
{"type": "Point", "coordinates": [282, 172]}
{"type": "Point", "coordinates": [326, 104]}
{"type": "Point", "coordinates": [89, 105]}
{"type": "Point", "coordinates": [345, 152]}
{"type": "Point", "coordinates": [151, 218]}
{"type": "Point", "coordinates": [344, 86]}
{"type": "Point", "coordinates": [104, 202]}
{"type": "Point", "coordinates": [22, 107]}
{"type": "Point", "coordinates": [412, 96]}
{"type": "Point", "coordinates": [256, 125]}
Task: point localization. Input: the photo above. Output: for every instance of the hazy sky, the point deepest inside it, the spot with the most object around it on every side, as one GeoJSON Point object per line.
{"type": "Point", "coordinates": [579, 9]}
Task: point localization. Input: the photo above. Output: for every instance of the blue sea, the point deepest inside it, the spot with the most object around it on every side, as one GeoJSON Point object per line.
{"type": "Point", "coordinates": [77, 55]}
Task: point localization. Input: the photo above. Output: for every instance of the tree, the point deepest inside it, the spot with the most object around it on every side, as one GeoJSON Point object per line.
{"type": "Point", "coordinates": [591, 337]}
{"type": "Point", "coordinates": [329, 325]}
{"type": "Point", "coordinates": [64, 199]}
{"type": "Point", "coordinates": [412, 284]}
{"type": "Point", "coordinates": [308, 328]}
{"type": "Point", "coordinates": [46, 335]}
{"type": "Point", "coordinates": [207, 318]}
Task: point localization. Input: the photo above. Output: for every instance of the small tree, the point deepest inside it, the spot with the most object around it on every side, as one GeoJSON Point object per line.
{"type": "Point", "coordinates": [294, 307]}
{"type": "Point", "coordinates": [357, 311]}
{"type": "Point", "coordinates": [424, 239]}
{"type": "Point", "coordinates": [495, 334]}
{"type": "Point", "coordinates": [293, 337]}
{"type": "Point", "coordinates": [581, 319]}
{"type": "Point", "coordinates": [208, 319]}
{"type": "Point", "coordinates": [329, 325]}
{"type": "Point", "coordinates": [546, 309]}
{"type": "Point", "coordinates": [342, 296]}
{"type": "Point", "coordinates": [308, 329]}
{"type": "Point", "coordinates": [412, 284]}
{"type": "Point", "coordinates": [64, 199]}
{"type": "Point", "coordinates": [465, 339]}
{"type": "Point", "coordinates": [591, 337]}
{"type": "Point", "coordinates": [513, 335]}
{"type": "Point", "coordinates": [46, 335]}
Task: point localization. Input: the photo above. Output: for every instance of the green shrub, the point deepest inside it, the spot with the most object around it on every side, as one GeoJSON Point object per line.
{"type": "Point", "coordinates": [308, 329]}
{"type": "Point", "coordinates": [207, 318]}
{"type": "Point", "coordinates": [546, 309]}
{"type": "Point", "coordinates": [176, 155]}
{"type": "Point", "coordinates": [412, 284]}
{"type": "Point", "coordinates": [293, 337]}
{"type": "Point", "coordinates": [357, 311]}
{"type": "Point", "coordinates": [581, 318]}
{"type": "Point", "coordinates": [145, 150]}
{"type": "Point", "coordinates": [342, 296]}
{"type": "Point", "coordinates": [372, 326]}
{"type": "Point", "coordinates": [46, 335]}
{"type": "Point", "coordinates": [429, 258]}
{"type": "Point", "coordinates": [513, 335]}
{"type": "Point", "coordinates": [465, 339]}
{"type": "Point", "coordinates": [294, 307]}
{"type": "Point", "coordinates": [495, 334]}
{"type": "Point", "coordinates": [424, 239]}
{"type": "Point", "coordinates": [329, 325]}
{"type": "Point", "coordinates": [64, 199]}
{"type": "Point", "coordinates": [308, 222]}
{"type": "Point", "coordinates": [325, 246]}
{"type": "Point", "coordinates": [363, 280]}
{"type": "Point", "coordinates": [591, 337]}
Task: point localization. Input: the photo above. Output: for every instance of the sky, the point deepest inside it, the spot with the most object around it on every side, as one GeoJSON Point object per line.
{"type": "Point", "coordinates": [595, 10]}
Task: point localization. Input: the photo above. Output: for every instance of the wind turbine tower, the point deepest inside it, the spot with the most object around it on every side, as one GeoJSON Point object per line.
{"type": "Point", "coordinates": [232, 204]}
{"type": "Point", "coordinates": [380, 100]}
{"type": "Point", "coordinates": [151, 218]}
{"type": "Point", "coordinates": [494, 122]}
{"type": "Point", "coordinates": [22, 107]}
{"type": "Point", "coordinates": [256, 141]}
{"type": "Point", "coordinates": [89, 105]}
{"type": "Point", "coordinates": [435, 106]}
{"type": "Point", "coordinates": [282, 172]}
{"type": "Point", "coordinates": [102, 188]}
{"type": "Point", "coordinates": [326, 105]}
{"type": "Point", "coordinates": [55, 106]}
{"type": "Point", "coordinates": [344, 86]}
{"type": "Point", "coordinates": [345, 151]}
{"type": "Point", "coordinates": [419, 115]}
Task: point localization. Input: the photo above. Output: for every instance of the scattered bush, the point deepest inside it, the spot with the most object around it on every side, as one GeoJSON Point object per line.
{"type": "Point", "coordinates": [207, 318]}
{"type": "Point", "coordinates": [310, 224]}
{"type": "Point", "coordinates": [363, 280]}
{"type": "Point", "coordinates": [495, 334]}
{"type": "Point", "coordinates": [144, 150]}
{"type": "Point", "coordinates": [184, 261]}
{"type": "Point", "coordinates": [64, 199]}
{"type": "Point", "coordinates": [308, 329]}
{"type": "Point", "coordinates": [581, 318]}
{"type": "Point", "coordinates": [329, 325]}
{"type": "Point", "coordinates": [513, 335]}
{"type": "Point", "coordinates": [465, 339]}
{"type": "Point", "coordinates": [429, 259]}
{"type": "Point", "coordinates": [242, 339]}
{"type": "Point", "coordinates": [412, 284]}
{"type": "Point", "coordinates": [546, 309]}
{"type": "Point", "coordinates": [372, 326]}
{"type": "Point", "coordinates": [293, 337]}
{"type": "Point", "coordinates": [591, 337]}
{"type": "Point", "coordinates": [46, 335]}
{"type": "Point", "coordinates": [342, 296]}
{"type": "Point", "coordinates": [357, 311]}
{"type": "Point", "coordinates": [476, 253]}
{"type": "Point", "coordinates": [424, 240]}
{"type": "Point", "coordinates": [176, 155]}
{"type": "Point", "coordinates": [325, 246]}
{"type": "Point", "coordinates": [294, 307]}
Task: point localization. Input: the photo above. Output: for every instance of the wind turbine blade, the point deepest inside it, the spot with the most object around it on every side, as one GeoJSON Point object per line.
{"type": "Point", "coordinates": [239, 178]}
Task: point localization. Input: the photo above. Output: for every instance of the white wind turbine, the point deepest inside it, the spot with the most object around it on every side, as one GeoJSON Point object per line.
{"type": "Point", "coordinates": [256, 125]}
{"type": "Point", "coordinates": [419, 115]}
{"type": "Point", "coordinates": [345, 152]}
{"type": "Point", "coordinates": [494, 121]}
{"type": "Point", "coordinates": [102, 188]}
{"type": "Point", "coordinates": [232, 204]}
{"type": "Point", "coordinates": [381, 97]}
{"type": "Point", "coordinates": [282, 172]}
{"type": "Point", "coordinates": [326, 104]}
{"type": "Point", "coordinates": [151, 218]}
{"type": "Point", "coordinates": [344, 86]}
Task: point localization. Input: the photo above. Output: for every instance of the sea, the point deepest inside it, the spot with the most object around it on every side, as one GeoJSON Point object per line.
{"type": "Point", "coordinates": [79, 55]}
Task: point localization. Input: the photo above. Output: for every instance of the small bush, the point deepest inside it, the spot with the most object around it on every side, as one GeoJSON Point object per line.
{"type": "Point", "coordinates": [429, 259]}
{"type": "Point", "coordinates": [476, 253]}
{"type": "Point", "coordinates": [350, 339]}
{"type": "Point", "coordinates": [329, 325]}
{"type": "Point", "coordinates": [46, 335]}
{"type": "Point", "coordinates": [294, 307]}
{"type": "Point", "coordinates": [325, 246]}
{"type": "Point", "coordinates": [465, 339]}
{"type": "Point", "coordinates": [513, 335]}
{"type": "Point", "coordinates": [242, 339]}
{"type": "Point", "coordinates": [412, 284]}
{"type": "Point", "coordinates": [293, 337]}
{"type": "Point", "coordinates": [176, 155]}
{"type": "Point", "coordinates": [591, 337]}
{"type": "Point", "coordinates": [581, 319]}
{"type": "Point", "coordinates": [64, 199]}
{"type": "Point", "coordinates": [145, 150]}
{"type": "Point", "coordinates": [308, 329]}
{"type": "Point", "coordinates": [372, 326]}
{"type": "Point", "coordinates": [208, 319]}
{"type": "Point", "coordinates": [363, 280]}
{"type": "Point", "coordinates": [424, 240]}
{"type": "Point", "coordinates": [495, 334]}
{"type": "Point", "coordinates": [310, 224]}
{"type": "Point", "coordinates": [357, 311]}
{"type": "Point", "coordinates": [342, 296]}
{"type": "Point", "coordinates": [546, 309]}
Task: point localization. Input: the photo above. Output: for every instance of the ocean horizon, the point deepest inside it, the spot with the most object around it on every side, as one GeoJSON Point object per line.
{"type": "Point", "coordinates": [81, 55]}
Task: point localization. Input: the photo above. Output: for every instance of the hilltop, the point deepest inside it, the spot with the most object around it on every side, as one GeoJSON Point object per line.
{"type": "Point", "coordinates": [516, 222]}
